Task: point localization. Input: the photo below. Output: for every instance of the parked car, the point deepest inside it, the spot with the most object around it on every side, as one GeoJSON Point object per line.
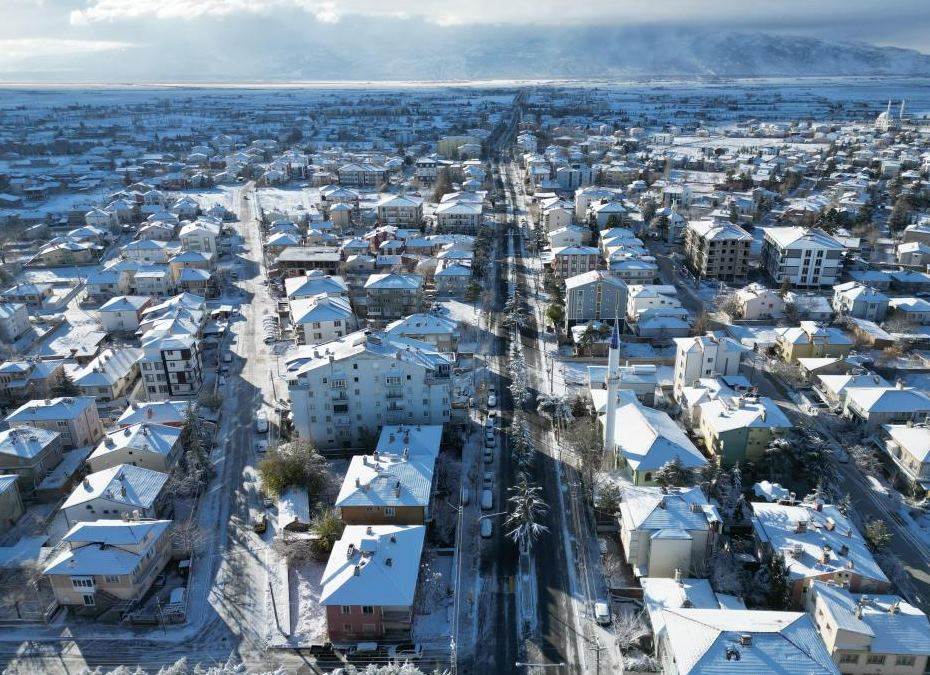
{"type": "Point", "coordinates": [260, 524]}
{"type": "Point", "coordinates": [487, 500]}
{"type": "Point", "coordinates": [492, 398]}
{"type": "Point", "coordinates": [602, 613]}
{"type": "Point", "coordinates": [487, 528]}
{"type": "Point", "coordinates": [227, 357]}
{"type": "Point", "coordinates": [261, 422]}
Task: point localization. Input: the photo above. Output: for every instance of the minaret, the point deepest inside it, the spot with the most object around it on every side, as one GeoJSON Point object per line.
{"type": "Point", "coordinates": [613, 388]}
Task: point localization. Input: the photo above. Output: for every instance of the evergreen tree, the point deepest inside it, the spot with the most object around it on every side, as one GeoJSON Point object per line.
{"type": "Point", "coordinates": [778, 588]}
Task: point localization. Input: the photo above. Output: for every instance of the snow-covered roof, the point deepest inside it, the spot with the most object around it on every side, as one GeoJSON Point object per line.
{"type": "Point", "coordinates": [381, 345]}
{"type": "Point", "coordinates": [743, 412]}
{"type": "Point", "coordinates": [800, 237]}
{"type": "Point", "coordinates": [321, 308]}
{"type": "Point", "coordinates": [594, 276]}
{"type": "Point", "coordinates": [913, 438]}
{"type": "Point", "coordinates": [375, 565]}
{"type": "Point", "coordinates": [888, 399]}
{"type": "Point", "coordinates": [892, 625]}
{"type": "Point", "coordinates": [649, 508]}
{"type": "Point", "coordinates": [314, 284]}
{"type": "Point", "coordinates": [125, 303]}
{"type": "Point", "coordinates": [425, 323]}
{"type": "Point", "coordinates": [803, 546]}
{"type": "Point", "coordinates": [388, 480]}
{"type": "Point", "coordinates": [158, 439]}
{"type": "Point", "coordinates": [97, 547]}
{"type": "Point", "coordinates": [63, 408]}
{"type": "Point", "coordinates": [709, 641]}
{"type": "Point", "coordinates": [25, 442]}
{"type": "Point", "coordinates": [660, 593]}
{"type": "Point", "coordinates": [108, 368]}
{"type": "Point", "coordinates": [123, 484]}
{"type": "Point", "coordinates": [648, 439]}
{"type": "Point", "coordinates": [393, 280]}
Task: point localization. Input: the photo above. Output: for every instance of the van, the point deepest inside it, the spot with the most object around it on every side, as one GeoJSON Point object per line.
{"type": "Point", "coordinates": [487, 500]}
{"type": "Point", "coordinates": [602, 613]}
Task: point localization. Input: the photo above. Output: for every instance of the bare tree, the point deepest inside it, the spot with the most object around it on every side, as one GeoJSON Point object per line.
{"type": "Point", "coordinates": [585, 441]}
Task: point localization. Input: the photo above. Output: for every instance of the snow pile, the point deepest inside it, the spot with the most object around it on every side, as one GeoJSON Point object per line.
{"type": "Point", "coordinates": [307, 614]}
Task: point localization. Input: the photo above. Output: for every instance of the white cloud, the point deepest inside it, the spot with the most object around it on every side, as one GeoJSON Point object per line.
{"type": "Point", "coordinates": [14, 50]}
{"type": "Point", "coordinates": [114, 10]}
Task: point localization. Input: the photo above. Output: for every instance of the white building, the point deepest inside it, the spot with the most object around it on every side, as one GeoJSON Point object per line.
{"type": "Point", "coordinates": [345, 390]}
{"type": "Point", "coordinates": [123, 313]}
{"type": "Point", "coordinates": [14, 321]}
{"type": "Point", "coordinates": [803, 257]}
{"type": "Point", "coordinates": [322, 318]}
{"type": "Point", "coordinates": [114, 493]}
{"type": "Point", "coordinates": [704, 356]}
{"type": "Point", "coordinates": [400, 210]}
{"type": "Point", "coordinates": [759, 302]}
{"type": "Point", "coordinates": [171, 366]}
{"type": "Point", "coordinates": [859, 301]}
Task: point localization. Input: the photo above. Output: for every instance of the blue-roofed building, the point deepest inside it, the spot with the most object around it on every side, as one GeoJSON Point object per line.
{"type": "Point", "coordinates": [113, 493]}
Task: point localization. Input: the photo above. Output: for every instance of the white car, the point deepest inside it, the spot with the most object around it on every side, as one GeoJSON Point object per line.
{"type": "Point", "coordinates": [492, 399]}
{"type": "Point", "coordinates": [261, 422]}
{"type": "Point", "coordinates": [602, 613]}
{"type": "Point", "coordinates": [487, 528]}
{"type": "Point", "coordinates": [487, 500]}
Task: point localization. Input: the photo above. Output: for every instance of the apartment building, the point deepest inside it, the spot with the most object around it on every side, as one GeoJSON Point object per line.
{"type": "Point", "coordinates": [569, 261]}
{"type": "Point", "coordinates": [704, 356]}
{"type": "Point", "coordinates": [30, 453]}
{"type": "Point", "coordinates": [344, 391]}
{"type": "Point", "coordinates": [171, 366]}
{"type": "Point", "coordinates": [594, 296]}
{"type": "Point", "coordinates": [14, 321]}
{"type": "Point", "coordinates": [75, 419]}
{"type": "Point", "coordinates": [400, 211]}
{"type": "Point", "coordinates": [717, 250]}
{"type": "Point", "coordinates": [393, 296]}
{"type": "Point", "coordinates": [802, 257]}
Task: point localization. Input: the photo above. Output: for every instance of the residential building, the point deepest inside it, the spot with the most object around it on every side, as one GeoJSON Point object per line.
{"type": "Point", "coordinates": [200, 235]}
{"type": "Point", "coordinates": [641, 298]}
{"type": "Point", "coordinates": [452, 279]}
{"type": "Point", "coordinates": [430, 327]}
{"type": "Point", "coordinates": [704, 356]}
{"type": "Point", "coordinates": [14, 321]}
{"type": "Point", "coordinates": [171, 413]}
{"type": "Point", "coordinates": [739, 428]}
{"type": "Point", "coordinates": [109, 378]}
{"type": "Point", "coordinates": [570, 261]}
{"type": "Point", "coordinates": [171, 366]}
{"type": "Point", "coordinates": [314, 283]}
{"type": "Point", "coordinates": [102, 562]}
{"type": "Point", "coordinates": [29, 379]}
{"type": "Point", "coordinates": [11, 502]}
{"type": "Point", "coordinates": [908, 446]}
{"type": "Point", "coordinates": [370, 582]}
{"type": "Point", "coordinates": [321, 318]}
{"type": "Point", "coordinates": [75, 419]}
{"type": "Point", "coordinates": [859, 301]}
{"type": "Point", "coordinates": [151, 446]}
{"type": "Point", "coordinates": [400, 210]}
{"type": "Point", "coordinates": [393, 296]}
{"type": "Point", "coordinates": [668, 532]}
{"type": "Point", "coordinates": [912, 310]}
{"type": "Point", "coordinates": [393, 485]}
{"type": "Point", "coordinates": [871, 407]}
{"type": "Point", "coordinates": [812, 340]}
{"type": "Point", "coordinates": [344, 391]}
{"type": "Point", "coordinates": [459, 216]}
{"type": "Point", "coordinates": [34, 296]}
{"type": "Point", "coordinates": [818, 543]}
{"type": "Point", "coordinates": [30, 453]}
{"type": "Point", "coordinates": [114, 493]}
{"type": "Point", "coordinates": [868, 634]}
{"type": "Point", "coordinates": [802, 257]}
{"type": "Point", "coordinates": [594, 296]}
{"type": "Point", "coordinates": [123, 313]}
{"type": "Point", "coordinates": [741, 641]}
{"type": "Point", "coordinates": [759, 302]}
{"type": "Point", "coordinates": [717, 249]}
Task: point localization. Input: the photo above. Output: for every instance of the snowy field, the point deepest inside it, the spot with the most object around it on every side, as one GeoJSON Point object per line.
{"type": "Point", "coordinates": [224, 195]}
{"type": "Point", "coordinates": [293, 201]}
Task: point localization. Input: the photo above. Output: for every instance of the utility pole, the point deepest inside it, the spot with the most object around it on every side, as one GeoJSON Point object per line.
{"type": "Point", "coordinates": [597, 655]}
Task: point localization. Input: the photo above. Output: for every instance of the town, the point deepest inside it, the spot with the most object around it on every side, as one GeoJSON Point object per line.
{"type": "Point", "coordinates": [465, 379]}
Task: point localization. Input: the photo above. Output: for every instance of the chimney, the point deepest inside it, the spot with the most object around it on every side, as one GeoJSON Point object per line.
{"type": "Point", "coordinates": [830, 524]}
{"type": "Point", "coordinates": [677, 576]}
{"type": "Point", "coordinates": [745, 640]}
{"type": "Point", "coordinates": [397, 489]}
{"type": "Point", "coordinates": [369, 530]}
{"type": "Point", "coordinates": [844, 550]}
{"type": "Point", "coordinates": [894, 607]}
{"type": "Point", "coordinates": [800, 526]}
{"type": "Point", "coordinates": [824, 555]}
{"type": "Point", "coordinates": [388, 562]}
{"type": "Point", "coordinates": [358, 570]}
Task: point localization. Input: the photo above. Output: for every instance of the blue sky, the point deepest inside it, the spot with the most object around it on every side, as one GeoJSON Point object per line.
{"type": "Point", "coordinates": [81, 38]}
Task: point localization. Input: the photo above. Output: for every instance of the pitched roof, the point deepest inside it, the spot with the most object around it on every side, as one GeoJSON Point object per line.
{"type": "Point", "coordinates": [25, 442]}
{"type": "Point", "coordinates": [649, 439]}
{"type": "Point", "coordinates": [158, 439]}
{"type": "Point", "coordinates": [123, 484]}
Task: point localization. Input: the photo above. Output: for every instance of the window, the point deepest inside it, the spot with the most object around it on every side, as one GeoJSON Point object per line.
{"type": "Point", "coordinates": [368, 609]}
{"type": "Point", "coordinates": [905, 660]}
{"type": "Point", "coordinates": [89, 601]}
{"type": "Point", "coordinates": [389, 511]}
{"type": "Point", "coordinates": [82, 582]}
{"type": "Point", "coordinates": [368, 628]}
{"type": "Point", "coordinates": [849, 658]}
{"type": "Point", "coordinates": [110, 579]}
{"type": "Point", "coordinates": [346, 609]}
{"type": "Point", "coordinates": [347, 628]}
{"type": "Point", "coordinates": [875, 659]}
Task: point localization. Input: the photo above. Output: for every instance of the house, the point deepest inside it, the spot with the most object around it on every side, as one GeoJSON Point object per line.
{"type": "Point", "coordinates": [740, 428]}
{"type": "Point", "coordinates": [391, 486]}
{"type": "Point", "coordinates": [451, 278]}
{"type": "Point", "coordinates": [913, 254]}
{"type": "Point", "coordinates": [570, 261]}
{"type": "Point", "coordinates": [11, 503]}
{"type": "Point", "coordinates": [641, 298]}
{"type": "Point", "coordinates": [200, 235]}
{"type": "Point", "coordinates": [114, 493]}
{"type": "Point", "coordinates": [400, 210]}
{"type": "Point", "coordinates": [109, 378]}
{"type": "Point", "coordinates": [314, 283]}
{"type": "Point", "coordinates": [370, 582]}
{"type": "Point", "coordinates": [758, 302]}
{"type": "Point", "coordinates": [859, 301]}
{"type": "Point", "coordinates": [668, 532]}
{"type": "Point", "coordinates": [802, 257]}
{"type": "Point", "coordinates": [345, 390]}
{"type": "Point", "coordinates": [102, 562]}
{"type": "Point", "coordinates": [914, 310]}
{"type": "Point", "coordinates": [717, 249]}
{"type": "Point", "coordinates": [171, 413]}
{"type": "Point", "coordinates": [870, 633]}
{"type": "Point", "coordinates": [150, 251]}
{"type": "Point", "coordinates": [430, 327]}
{"type": "Point", "coordinates": [908, 446]}
{"type": "Point", "coordinates": [870, 407]}
{"type": "Point", "coordinates": [74, 418]}
{"type": "Point", "coordinates": [645, 440]}
{"type": "Point", "coordinates": [32, 379]}
{"type": "Point", "coordinates": [151, 446]}
{"type": "Point", "coordinates": [34, 296]}
{"type": "Point", "coordinates": [321, 318]}
{"type": "Point", "coordinates": [393, 296]}
{"type": "Point", "coordinates": [818, 543]}
{"type": "Point", "coordinates": [30, 453]}
{"type": "Point", "coordinates": [812, 340]}
{"type": "Point", "coordinates": [594, 296]}
{"type": "Point", "coordinates": [704, 356]}
{"type": "Point", "coordinates": [741, 641]}
{"type": "Point", "coordinates": [679, 592]}
{"type": "Point", "coordinates": [123, 313]}
{"type": "Point", "coordinates": [296, 261]}
{"type": "Point", "coordinates": [14, 321]}
{"type": "Point", "coordinates": [809, 306]}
